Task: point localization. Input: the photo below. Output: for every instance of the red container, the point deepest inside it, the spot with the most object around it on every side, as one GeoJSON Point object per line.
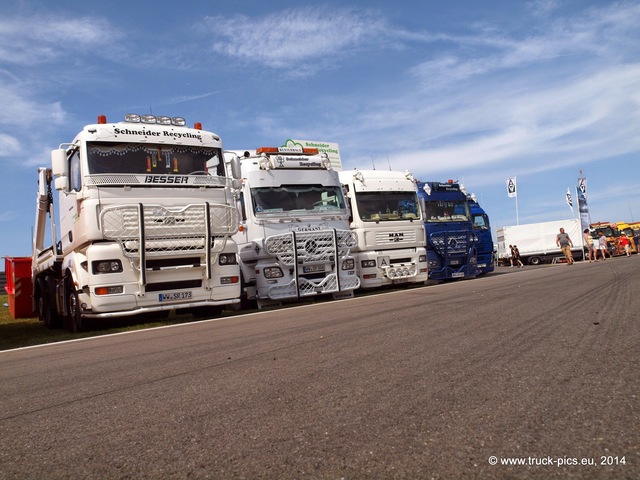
{"type": "Point", "coordinates": [19, 287]}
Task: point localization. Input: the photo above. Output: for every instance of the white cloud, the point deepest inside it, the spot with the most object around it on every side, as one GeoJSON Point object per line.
{"type": "Point", "coordinates": [44, 38]}
{"type": "Point", "coordinates": [9, 145]}
{"type": "Point", "coordinates": [296, 38]}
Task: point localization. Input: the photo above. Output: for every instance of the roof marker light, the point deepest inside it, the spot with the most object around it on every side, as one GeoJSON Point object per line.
{"type": "Point", "coordinates": [102, 119]}
{"type": "Point", "coordinates": [132, 118]}
{"type": "Point", "coordinates": [267, 150]}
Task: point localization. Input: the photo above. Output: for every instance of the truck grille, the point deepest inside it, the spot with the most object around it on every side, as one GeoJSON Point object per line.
{"type": "Point", "coordinates": [317, 246]}
{"type": "Point", "coordinates": [450, 243]}
{"type": "Point", "coordinates": [394, 238]}
{"type": "Point", "coordinates": [165, 230]}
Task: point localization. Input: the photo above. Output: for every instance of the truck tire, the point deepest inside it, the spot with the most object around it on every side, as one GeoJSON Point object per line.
{"type": "Point", "coordinates": [45, 304]}
{"type": "Point", "coordinates": [535, 261]}
{"type": "Point", "coordinates": [40, 299]}
{"type": "Point", "coordinates": [73, 321]}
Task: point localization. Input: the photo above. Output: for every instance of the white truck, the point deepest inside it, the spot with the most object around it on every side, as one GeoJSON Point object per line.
{"type": "Point", "coordinates": [536, 242]}
{"type": "Point", "coordinates": [389, 224]}
{"type": "Point", "coordinates": [294, 240]}
{"type": "Point", "coordinates": [143, 226]}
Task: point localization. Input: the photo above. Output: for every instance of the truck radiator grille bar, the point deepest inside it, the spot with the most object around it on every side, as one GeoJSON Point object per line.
{"type": "Point", "coordinates": [165, 231]}
{"type": "Point", "coordinates": [450, 243]}
{"type": "Point", "coordinates": [306, 287]}
{"type": "Point", "coordinates": [395, 238]}
{"type": "Point", "coordinates": [316, 246]}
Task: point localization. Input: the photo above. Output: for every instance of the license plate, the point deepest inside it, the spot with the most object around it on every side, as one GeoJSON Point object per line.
{"type": "Point", "coordinates": [164, 297]}
{"type": "Point", "coordinates": [457, 275]}
{"type": "Point", "coordinates": [313, 268]}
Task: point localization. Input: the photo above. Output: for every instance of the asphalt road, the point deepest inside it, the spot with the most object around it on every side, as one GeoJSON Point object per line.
{"type": "Point", "coordinates": [534, 365]}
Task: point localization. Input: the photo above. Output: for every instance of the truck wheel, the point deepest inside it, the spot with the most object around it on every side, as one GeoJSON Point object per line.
{"type": "Point", "coordinates": [535, 261]}
{"type": "Point", "coordinates": [40, 298]}
{"type": "Point", "coordinates": [73, 322]}
{"type": "Point", "coordinates": [46, 311]}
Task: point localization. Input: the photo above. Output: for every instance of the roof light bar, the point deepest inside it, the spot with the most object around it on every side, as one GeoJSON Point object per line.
{"type": "Point", "coordinates": [293, 150]}
{"type": "Point", "coordinates": [160, 120]}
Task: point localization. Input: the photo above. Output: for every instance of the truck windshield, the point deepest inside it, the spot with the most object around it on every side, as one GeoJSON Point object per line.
{"type": "Point", "coordinates": [296, 198]}
{"type": "Point", "coordinates": [387, 206]}
{"type": "Point", "coordinates": [607, 231]}
{"type": "Point", "coordinates": [158, 159]}
{"type": "Point", "coordinates": [446, 211]}
{"type": "Point", "coordinates": [480, 222]}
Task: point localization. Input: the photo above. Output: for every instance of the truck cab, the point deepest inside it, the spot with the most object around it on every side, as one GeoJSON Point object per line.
{"type": "Point", "coordinates": [142, 226]}
{"type": "Point", "coordinates": [294, 239]}
{"type": "Point", "coordinates": [388, 221]}
{"type": "Point", "coordinates": [451, 241]}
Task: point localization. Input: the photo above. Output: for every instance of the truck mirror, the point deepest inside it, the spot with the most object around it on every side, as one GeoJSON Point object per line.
{"type": "Point", "coordinates": [62, 184]}
{"type": "Point", "coordinates": [59, 162]}
{"type": "Point", "coordinates": [235, 167]}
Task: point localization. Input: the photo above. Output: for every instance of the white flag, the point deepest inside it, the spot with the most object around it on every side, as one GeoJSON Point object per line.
{"type": "Point", "coordinates": [569, 202]}
{"type": "Point", "coordinates": [582, 185]}
{"type": "Point", "coordinates": [511, 187]}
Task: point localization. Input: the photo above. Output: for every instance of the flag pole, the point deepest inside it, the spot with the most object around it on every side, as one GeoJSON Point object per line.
{"type": "Point", "coordinates": [584, 257]}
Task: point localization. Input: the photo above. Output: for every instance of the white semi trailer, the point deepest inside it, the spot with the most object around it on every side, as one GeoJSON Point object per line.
{"type": "Point", "coordinates": [536, 242]}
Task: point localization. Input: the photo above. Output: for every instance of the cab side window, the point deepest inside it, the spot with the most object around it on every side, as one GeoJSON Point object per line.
{"type": "Point", "coordinates": [75, 176]}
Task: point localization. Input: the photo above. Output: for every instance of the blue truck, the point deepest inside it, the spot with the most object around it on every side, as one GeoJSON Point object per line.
{"type": "Point", "coordinates": [451, 240]}
{"type": "Point", "coordinates": [482, 227]}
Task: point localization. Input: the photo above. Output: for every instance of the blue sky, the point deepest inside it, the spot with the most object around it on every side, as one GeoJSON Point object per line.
{"type": "Point", "coordinates": [467, 90]}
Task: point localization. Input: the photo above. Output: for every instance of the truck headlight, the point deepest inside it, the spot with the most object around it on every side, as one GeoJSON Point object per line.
{"type": "Point", "coordinates": [227, 259]}
{"type": "Point", "coordinates": [272, 272]}
{"type": "Point", "coordinates": [348, 264]}
{"type": "Point", "coordinates": [422, 258]}
{"type": "Point", "coordinates": [106, 266]}
{"type": "Point", "coordinates": [368, 263]}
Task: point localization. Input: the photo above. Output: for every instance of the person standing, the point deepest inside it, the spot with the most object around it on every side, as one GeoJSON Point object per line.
{"type": "Point", "coordinates": [625, 244]}
{"type": "Point", "coordinates": [515, 255]}
{"type": "Point", "coordinates": [564, 242]}
{"type": "Point", "coordinates": [602, 245]}
{"type": "Point", "coordinates": [591, 249]}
